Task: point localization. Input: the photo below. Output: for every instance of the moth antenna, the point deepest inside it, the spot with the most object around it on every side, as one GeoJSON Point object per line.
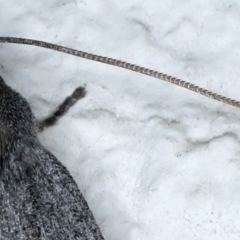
{"type": "Point", "coordinates": [125, 65]}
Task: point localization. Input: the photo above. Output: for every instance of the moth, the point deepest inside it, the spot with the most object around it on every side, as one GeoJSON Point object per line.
{"type": "Point", "coordinates": [38, 197]}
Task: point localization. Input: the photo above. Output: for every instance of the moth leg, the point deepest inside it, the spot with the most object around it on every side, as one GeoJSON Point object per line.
{"type": "Point", "coordinates": [62, 109]}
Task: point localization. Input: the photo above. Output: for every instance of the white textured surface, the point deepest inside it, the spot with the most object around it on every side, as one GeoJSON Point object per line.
{"type": "Point", "coordinates": [154, 161]}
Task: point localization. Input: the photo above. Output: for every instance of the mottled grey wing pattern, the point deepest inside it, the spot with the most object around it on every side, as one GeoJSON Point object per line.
{"type": "Point", "coordinates": [38, 197]}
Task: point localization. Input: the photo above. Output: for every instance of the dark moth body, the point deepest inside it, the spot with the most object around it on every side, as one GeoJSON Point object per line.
{"type": "Point", "coordinates": [38, 197]}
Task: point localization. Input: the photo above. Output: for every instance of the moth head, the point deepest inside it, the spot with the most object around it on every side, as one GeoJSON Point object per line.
{"type": "Point", "coordinates": [16, 116]}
